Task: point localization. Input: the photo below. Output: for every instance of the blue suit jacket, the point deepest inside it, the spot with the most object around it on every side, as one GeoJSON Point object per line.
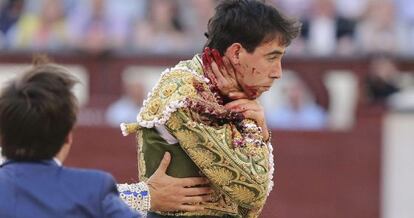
{"type": "Point", "coordinates": [44, 189]}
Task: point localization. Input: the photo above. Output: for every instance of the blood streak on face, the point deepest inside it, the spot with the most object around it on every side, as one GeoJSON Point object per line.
{"type": "Point", "coordinates": [257, 70]}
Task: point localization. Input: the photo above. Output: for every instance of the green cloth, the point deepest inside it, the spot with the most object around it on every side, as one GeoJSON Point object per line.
{"type": "Point", "coordinates": [154, 147]}
{"type": "Point", "coordinates": [181, 165]}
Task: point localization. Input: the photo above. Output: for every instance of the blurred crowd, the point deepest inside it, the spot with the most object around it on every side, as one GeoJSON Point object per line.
{"type": "Point", "coordinates": [96, 26]}
{"type": "Point", "coordinates": [381, 29]}
{"type": "Point", "coordinates": [330, 27]}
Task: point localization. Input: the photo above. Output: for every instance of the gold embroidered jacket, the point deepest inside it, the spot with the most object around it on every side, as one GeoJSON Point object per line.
{"type": "Point", "coordinates": [175, 118]}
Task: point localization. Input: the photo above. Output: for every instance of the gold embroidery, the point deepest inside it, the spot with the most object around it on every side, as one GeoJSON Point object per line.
{"type": "Point", "coordinates": [154, 106]}
{"type": "Point", "coordinates": [186, 90]}
{"type": "Point", "coordinates": [140, 157]}
{"type": "Point", "coordinates": [219, 175]}
{"type": "Point", "coordinates": [187, 139]}
{"type": "Point", "coordinates": [174, 123]}
{"type": "Point", "coordinates": [169, 89]}
{"type": "Point", "coordinates": [202, 156]}
{"type": "Point", "coordinates": [241, 193]}
{"type": "Point", "coordinates": [238, 177]}
{"type": "Point", "coordinates": [174, 86]}
{"type": "Point", "coordinates": [240, 169]}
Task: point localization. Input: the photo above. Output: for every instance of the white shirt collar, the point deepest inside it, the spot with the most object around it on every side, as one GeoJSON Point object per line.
{"type": "Point", "coordinates": [57, 161]}
{"type": "Point", "coordinates": [2, 159]}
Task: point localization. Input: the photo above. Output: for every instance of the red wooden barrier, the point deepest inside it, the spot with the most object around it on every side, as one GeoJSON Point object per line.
{"type": "Point", "coordinates": [318, 174]}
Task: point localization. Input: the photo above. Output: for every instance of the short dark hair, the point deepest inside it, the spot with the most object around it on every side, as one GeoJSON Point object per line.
{"type": "Point", "coordinates": [249, 23]}
{"type": "Point", "coordinates": [37, 111]}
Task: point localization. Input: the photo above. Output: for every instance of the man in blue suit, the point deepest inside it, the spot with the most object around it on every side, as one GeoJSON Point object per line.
{"type": "Point", "coordinates": [37, 114]}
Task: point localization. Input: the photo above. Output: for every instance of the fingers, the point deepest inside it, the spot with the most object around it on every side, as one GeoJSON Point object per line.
{"type": "Point", "coordinates": [230, 70]}
{"type": "Point", "coordinates": [217, 72]}
{"type": "Point", "coordinates": [205, 57]}
{"type": "Point", "coordinates": [193, 181]}
{"type": "Point", "coordinates": [165, 162]}
{"type": "Point", "coordinates": [207, 66]}
{"type": "Point", "coordinates": [197, 191]}
{"type": "Point", "coordinates": [237, 95]}
{"type": "Point", "coordinates": [190, 208]}
{"type": "Point", "coordinates": [216, 62]}
{"type": "Point", "coordinates": [207, 53]}
{"type": "Point", "coordinates": [237, 103]}
{"type": "Point", "coordinates": [217, 58]}
{"type": "Point", "coordinates": [196, 199]}
{"type": "Point", "coordinates": [224, 65]}
{"type": "Point", "coordinates": [250, 115]}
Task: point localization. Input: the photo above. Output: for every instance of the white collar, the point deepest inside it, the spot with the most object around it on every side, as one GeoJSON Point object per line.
{"type": "Point", "coordinates": [2, 159]}
{"type": "Point", "coordinates": [57, 161]}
